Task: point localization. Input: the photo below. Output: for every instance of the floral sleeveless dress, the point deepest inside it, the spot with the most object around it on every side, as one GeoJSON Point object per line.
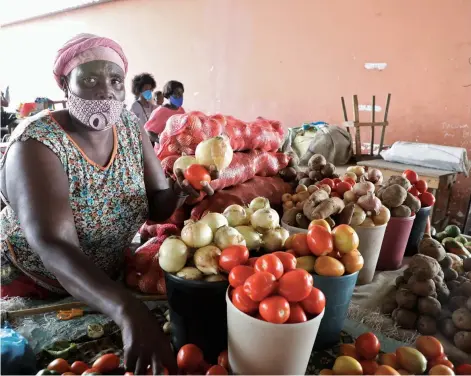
{"type": "Point", "coordinates": [109, 203]}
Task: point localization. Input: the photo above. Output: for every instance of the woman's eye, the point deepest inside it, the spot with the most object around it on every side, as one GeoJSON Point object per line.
{"type": "Point", "coordinates": [90, 81]}
{"type": "Point", "coordinates": [116, 81]}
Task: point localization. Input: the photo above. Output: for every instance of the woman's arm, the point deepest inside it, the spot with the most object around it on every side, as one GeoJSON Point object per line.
{"type": "Point", "coordinates": [37, 189]}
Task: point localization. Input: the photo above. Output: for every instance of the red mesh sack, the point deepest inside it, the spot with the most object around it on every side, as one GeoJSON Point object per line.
{"type": "Point", "coordinates": [270, 187]}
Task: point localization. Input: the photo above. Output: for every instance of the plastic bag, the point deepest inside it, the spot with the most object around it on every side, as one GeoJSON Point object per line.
{"type": "Point", "coordinates": [17, 357]}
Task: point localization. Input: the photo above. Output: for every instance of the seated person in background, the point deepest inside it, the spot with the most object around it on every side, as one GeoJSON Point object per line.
{"type": "Point", "coordinates": [142, 87]}
{"type": "Point", "coordinates": [173, 91]}
{"type": "Point", "coordinates": [159, 98]}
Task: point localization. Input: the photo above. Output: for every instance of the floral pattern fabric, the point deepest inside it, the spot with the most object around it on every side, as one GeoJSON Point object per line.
{"type": "Point", "coordinates": [109, 203]}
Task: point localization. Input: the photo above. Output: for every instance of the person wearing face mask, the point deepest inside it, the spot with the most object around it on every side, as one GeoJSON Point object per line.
{"type": "Point", "coordinates": [142, 87]}
{"type": "Point", "coordinates": [78, 183]}
{"type": "Point", "coordinates": [173, 92]}
{"type": "Point", "coordinates": [159, 98]}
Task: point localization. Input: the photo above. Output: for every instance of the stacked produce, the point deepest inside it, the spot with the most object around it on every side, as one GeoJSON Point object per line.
{"type": "Point", "coordinates": [364, 357]}
{"type": "Point", "coordinates": [419, 188]}
{"type": "Point", "coordinates": [395, 195]}
{"type": "Point", "coordinates": [190, 361]}
{"type": "Point", "coordinates": [432, 295]}
{"type": "Point", "coordinates": [105, 364]}
{"type": "Point", "coordinates": [453, 241]}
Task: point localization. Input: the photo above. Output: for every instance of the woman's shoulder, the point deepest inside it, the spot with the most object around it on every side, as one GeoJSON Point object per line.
{"type": "Point", "coordinates": [41, 125]}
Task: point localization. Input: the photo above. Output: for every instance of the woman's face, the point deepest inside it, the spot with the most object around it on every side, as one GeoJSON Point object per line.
{"type": "Point", "coordinates": [98, 80]}
{"type": "Point", "coordinates": [178, 92]}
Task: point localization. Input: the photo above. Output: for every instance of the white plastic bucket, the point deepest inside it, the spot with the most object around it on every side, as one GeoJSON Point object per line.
{"type": "Point", "coordinates": [293, 230]}
{"type": "Point", "coordinates": [371, 239]}
{"type": "Point", "coordinates": [258, 347]}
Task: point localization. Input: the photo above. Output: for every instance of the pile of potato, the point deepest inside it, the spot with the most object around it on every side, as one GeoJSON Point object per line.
{"type": "Point", "coordinates": [395, 195]}
{"type": "Point", "coordinates": [434, 294]}
{"type": "Point", "coordinates": [318, 169]}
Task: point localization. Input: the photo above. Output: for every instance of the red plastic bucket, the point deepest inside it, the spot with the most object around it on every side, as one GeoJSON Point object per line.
{"type": "Point", "coordinates": [394, 243]}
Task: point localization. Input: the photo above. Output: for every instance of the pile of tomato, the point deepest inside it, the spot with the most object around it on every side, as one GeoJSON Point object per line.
{"type": "Point", "coordinates": [107, 363]}
{"type": "Point", "coordinates": [190, 361]}
{"type": "Point", "coordinates": [338, 186]}
{"type": "Point", "coordinates": [335, 251]}
{"type": "Point", "coordinates": [270, 288]}
{"type": "Point", "coordinates": [364, 358]}
{"type": "Point", "coordinates": [419, 188]}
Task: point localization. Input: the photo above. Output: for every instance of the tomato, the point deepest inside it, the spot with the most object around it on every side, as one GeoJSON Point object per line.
{"type": "Point", "coordinates": [189, 358]}
{"type": "Point", "coordinates": [326, 371]}
{"type": "Point", "coordinates": [59, 365]}
{"type": "Point", "coordinates": [353, 261]}
{"type": "Point", "coordinates": [329, 182]}
{"type": "Point", "coordinates": [195, 174]}
{"type": "Point", "coordinates": [429, 346]}
{"type": "Point", "coordinates": [441, 369]}
{"type": "Point", "coordinates": [92, 371]}
{"type": "Point", "coordinates": [463, 369]}
{"type": "Point", "coordinates": [271, 264]}
{"type": "Point", "coordinates": [389, 359]}
{"type": "Point", "coordinates": [345, 365]}
{"type": "Point", "coordinates": [386, 370]}
{"type": "Point", "coordinates": [343, 187]}
{"type": "Point", "coordinates": [369, 367]}
{"type": "Point", "coordinates": [223, 359]}
{"type": "Point", "coordinates": [329, 267]}
{"type": "Point", "coordinates": [348, 349]}
{"type": "Point", "coordinates": [233, 256]}
{"type": "Point", "coordinates": [345, 238]}
{"type": "Point", "coordinates": [314, 303]}
{"type": "Point", "coordinates": [440, 360]}
{"type": "Point", "coordinates": [106, 363]}
{"type": "Point", "coordinates": [287, 259]}
{"type": "Point", "coordinates": [349, 180]}
{"type": "Point", "coordinates": [336, 181]}
{"type": "Point", "coordinates": [367, 346]}
{"type": "Point", "coordinates": [411, 176]}
{"type": "Point", "coordinates": [68, 373]}
{"type": "Point", "coordinates": [128, 373]}
{"type": "Point", "coordinates": [46, 371]}
{"type": "Point", "coordinates": [299, 245]}
{"type": "Point", "coordinates": [427, 199]}
{"type": "Point", "coordinates": [251, 261]}
{"type": "Point", "coordinates": [421, 186]}
{"type": "Point", "coordinates": [242, 301]}
{"type": "Point", "coordinates": [320, 222]}
{"type": "Point", "coordinates": [296, 285]}
{"type": "Point", "coordinates": [291, 252]}
{"type": "Point", "coordinates": [414, 191]}
{"type": "Point", "coordinates": [296, 314]}
{"type": "Point", "coordinates": [260, 285]}
{"type": "Point", "coordinates": [275, 309]}
{"type": "Point", "coordinates": [239, 274]}
{"type": "Point", "coordinates": [79, 367]}
{"type": "Point", "coordinates": [289, 242]}
{"type": "Point", "coordinates": [319, 240]}
{"type": "Point", "coordinates": [217, 370]}
{"type": "Point", "coordinates": [335, 194]}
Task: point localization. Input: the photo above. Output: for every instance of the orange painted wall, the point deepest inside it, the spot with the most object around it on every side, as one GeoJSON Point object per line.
{"type": "Point", "coordinates": [286, 59]}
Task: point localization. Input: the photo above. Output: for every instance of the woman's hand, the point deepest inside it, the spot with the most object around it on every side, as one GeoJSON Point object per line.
{"type": "Point", "coordinates": [145, 343]}
{"type": "Point", "coordinates": [183, 186]}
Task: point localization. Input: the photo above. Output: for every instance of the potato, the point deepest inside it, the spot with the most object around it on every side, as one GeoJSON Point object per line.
{"type": "Point", "coordinates": [421, 288]}
{"type": "Point", "coordinates": [462, 319]}
{"type": "Point", "coordinates": [389, 303]}
{"type": "Point", "coordinates": [457, 302]}
{"type": "Point", "coordinates": [407, 274]}
{"type": "Point", "coordinates": [401, 211]}
{"type": "Point", "coordinates": [315, 176]}
{"type": "Point", "coordinates": [462, 279]}
{"type": "Point", "coordinates": [467, 265]}
{"type": "Point", "coordinates": [393, 196]}
{"type": "Point", "coordinates": [467, 275]}
{"type": "Point", "coordinates": [431, 247]}
{"type": "Point", "coordinates": [316, 162]}
{"type": "Point", "coordinates": [446, 262]}
{"type": "Point", "coordinates": [468, 304]}
{"type": "Point", "coordinates": [400, 281]}
{"type": "Point", "coordinates": [429, 306]}
{"type": "Point", "coordinates": [406, 298]}
{"type": "Point", "coordinates": [426, 325]}
{"type": "Point", "coordinates": [462, 340]}
{"type": "Point", "coordinates": [289, 217]}
{"type": "Point", "coordinates": [424, 267]}
{"type": "Point", "coordinates": [465, 288]}
{"type": "Point", "coordinates": [453, 286]}
{"type": "Point", "coordinates": [288, 173]}
{"type": "Point", "coordinates": [399, 180]}
{"type": "Point", "coordinates": [312, 188]}
{"type": "Point", "coordinates": [450, 274]}
{"type": "Point", "coordinates": [302, 221]}
{"type": "Point", "coordinates": [328, 170]}
{"type": "Point", "coordinates": [405, 319]}
{"type": "Point", "coordinates": [445, 313]}
{"type": "Point", "coordinates": [412, 202]}
{"type": "Point", "coordinates": [306, 182]}
{"type": "Point", "coordinates": [301, 187]}
{"type": "Point", "coordinates": [437, 279]}
{"type": "Point", "coordinates": [448, 328]}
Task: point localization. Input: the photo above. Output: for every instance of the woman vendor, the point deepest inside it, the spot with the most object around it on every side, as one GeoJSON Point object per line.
{"type": "Point", "coordinates": [78, 183]}
{"type": "Point", "coordinates": [142, 87]}
{"type": "Point", "coordinates": [173, 92]}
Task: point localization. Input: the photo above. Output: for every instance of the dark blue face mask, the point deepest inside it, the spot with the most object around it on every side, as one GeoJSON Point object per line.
{"type": "Point", "coordinates": [147, 95]}
{"type": "Point", "coordinates": [177, 102]}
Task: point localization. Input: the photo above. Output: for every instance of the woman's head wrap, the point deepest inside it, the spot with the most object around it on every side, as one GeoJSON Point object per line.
{"type": "Point", "coordinates": [84, 48]}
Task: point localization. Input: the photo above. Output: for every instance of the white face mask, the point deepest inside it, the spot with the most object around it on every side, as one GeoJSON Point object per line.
{"type": "Point", "coordinates": [96, 114]}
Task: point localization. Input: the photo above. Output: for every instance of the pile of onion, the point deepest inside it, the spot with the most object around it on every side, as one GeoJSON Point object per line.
{"type": "Point", "coordinates": [265, 219]}
{"type": "Point", "coordinates": [197, 235]}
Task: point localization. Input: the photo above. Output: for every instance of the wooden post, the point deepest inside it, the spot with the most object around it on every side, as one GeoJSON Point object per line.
{"type": "Point", "coordinates": [386, 110]}
{"type": "Point", "coordinates": [373, 113]}
{"type": "Point", "coordinates": [356, 120]}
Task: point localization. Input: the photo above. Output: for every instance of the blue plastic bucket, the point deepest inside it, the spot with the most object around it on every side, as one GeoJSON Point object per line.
{"type": "Point", "coordinates": [417, 231]}
{"type": "Point", "coordinates": [338, 292]}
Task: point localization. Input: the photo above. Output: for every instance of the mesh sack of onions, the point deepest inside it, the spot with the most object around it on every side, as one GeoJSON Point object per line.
{"type": "Point", "coordinates": [271, 188]}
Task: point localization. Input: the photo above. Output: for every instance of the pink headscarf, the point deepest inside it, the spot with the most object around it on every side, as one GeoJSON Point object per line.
{"type": "Point", "coordinates": [84, 48]}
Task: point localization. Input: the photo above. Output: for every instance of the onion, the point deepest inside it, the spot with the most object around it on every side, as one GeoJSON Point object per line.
{"type": "Point", "coordinates": [358, 216]}
{"type": "Point", "coordinates": [248, 212]}
{"type": "Point", "coordinates": [265, 219]}
{"type": "Point", "coordinates": [383, 216]}
{"type": "Point", "coordinates": [214, 220]}
{"type": "Point", "coordinates": [215, 151]}
{"type": "Point", "coordinates": [259, 203]}
{"type": "Point", "coordinates": [274, 239]}
{"type": "Point", "coordinates": [351, 175]}
{"type": "Point", "coordinates": [183, 163]}
{"type": "Point", "coordinates": [375, 176]}
{"type": "Point", "coordinates": [370, 203]}
{"type": "Point", "coordinates": [368, 222]}
{"type": "Point", "coordinates": [197, 235]}
{"type": "Point", "coordinates": [236, 215]}
{"type": "Point", "coordinates": [361, 189]}
{"type": "Point", "coordinates": [206, 259]}
{"type": "Point", "coordinates": [349, 196]}
{"type": "Point", "coordinates": [252, 238]}
{"type": "Point", "coordinates": [173, 254]}
{"type": "Point", "coordinates": [357, 170]}
{"type": "Point", "coordinates": [190, 273]}
{"type": "Point", "coordinates": [227, 236]}
{"type": "Point", "coordinates": [215, 278]}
